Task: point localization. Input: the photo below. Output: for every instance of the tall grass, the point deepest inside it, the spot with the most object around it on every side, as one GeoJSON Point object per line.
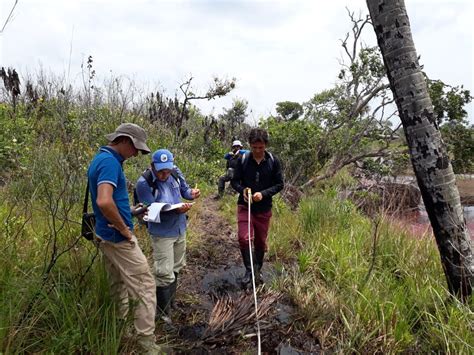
{"type": "Point", "coordinates": [365, 297]}
{"type": "Point", "coordinates": [66, 311]}
{"type": "Point", "coordinates": [54, 296]}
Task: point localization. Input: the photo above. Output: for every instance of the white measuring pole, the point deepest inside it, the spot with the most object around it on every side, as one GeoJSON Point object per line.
{"type": "Point", "coordinates": [259, 351]}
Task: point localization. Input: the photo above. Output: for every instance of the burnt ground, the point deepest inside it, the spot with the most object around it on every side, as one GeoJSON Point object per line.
{"type": "Point", "coordinates": [212, 272]}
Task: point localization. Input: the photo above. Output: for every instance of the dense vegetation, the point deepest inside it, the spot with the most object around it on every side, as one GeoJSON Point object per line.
{"type": "Point", "coordinates": [363, 284]}
{"type": "Point", "coordinates": [360, 284]}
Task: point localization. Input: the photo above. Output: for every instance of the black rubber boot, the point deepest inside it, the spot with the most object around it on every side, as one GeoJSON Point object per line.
{"type": "Point", "coordinates": [259, 256]}
{"type": "Point", "coordinates": [163, 303]}
{"type": "Point", "coordinates": [173, 287]}
{"type": "Point", "coordinates": [247, 278]}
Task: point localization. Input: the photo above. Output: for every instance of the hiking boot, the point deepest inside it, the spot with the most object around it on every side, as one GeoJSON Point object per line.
{"type": "Point", "coordinates": [148, 345]}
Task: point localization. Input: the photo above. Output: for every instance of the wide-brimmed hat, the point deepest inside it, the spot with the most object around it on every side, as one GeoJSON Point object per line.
{"type": "Point", "coordinates": [163, 159]}
{"type": "Point", "coordinates": [237, 143]}
{"type": "Point", "coordinates": [134, 132]}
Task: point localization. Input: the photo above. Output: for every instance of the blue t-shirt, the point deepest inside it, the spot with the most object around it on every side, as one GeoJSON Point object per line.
{"type": "Point", "coordinates": [228, 156]}
{"type": "Point", "coordinates": [106, 168]}
{"type": "Point", "coordinates": [172, 224]}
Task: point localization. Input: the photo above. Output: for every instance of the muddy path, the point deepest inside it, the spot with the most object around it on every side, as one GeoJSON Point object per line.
{"type": "Point", "coordinates": [212, 276]}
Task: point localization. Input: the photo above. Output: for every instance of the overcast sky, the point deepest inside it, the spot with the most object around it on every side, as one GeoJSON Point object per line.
{"type": "Point", "coordinates": [277, 50]}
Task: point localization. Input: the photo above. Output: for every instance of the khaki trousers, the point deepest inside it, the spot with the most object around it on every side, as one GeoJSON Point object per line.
{"type": "Point", "coordinates": [169, 258]}
{"type": "Point", "coordinates": [130, 276]}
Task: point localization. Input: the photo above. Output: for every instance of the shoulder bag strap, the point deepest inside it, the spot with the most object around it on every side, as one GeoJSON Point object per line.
{"type": "Point", "coordinates": [86, 198]}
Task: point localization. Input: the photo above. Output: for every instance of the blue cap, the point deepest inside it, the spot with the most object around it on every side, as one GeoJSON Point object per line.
{"type": "Point", "coordinates": [163, 159]}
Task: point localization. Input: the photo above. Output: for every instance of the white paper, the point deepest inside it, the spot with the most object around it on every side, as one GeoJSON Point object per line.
{"type": "Point", "coordinates": [155, 209]}
{"type": "Point", "coordinates": [169, 207]}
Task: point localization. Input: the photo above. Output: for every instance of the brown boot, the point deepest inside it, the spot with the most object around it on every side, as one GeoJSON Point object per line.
{"type": "Point", "coordinates": [148, 345]}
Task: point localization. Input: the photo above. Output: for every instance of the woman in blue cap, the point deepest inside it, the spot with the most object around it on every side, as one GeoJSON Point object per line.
{"type": "Point", "coordinates": [165, 183]}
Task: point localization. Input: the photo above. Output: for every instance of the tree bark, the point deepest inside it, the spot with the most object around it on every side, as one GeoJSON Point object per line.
{"type": "Point", "coordinates": [428, 153]}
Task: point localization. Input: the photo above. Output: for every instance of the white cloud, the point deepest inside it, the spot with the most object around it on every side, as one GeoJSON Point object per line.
{"type": "Point", "coordinates": [277, 50]}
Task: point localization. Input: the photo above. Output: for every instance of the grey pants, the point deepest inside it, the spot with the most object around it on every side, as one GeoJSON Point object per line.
{"type": "Point", "coordinates": [169, 256]}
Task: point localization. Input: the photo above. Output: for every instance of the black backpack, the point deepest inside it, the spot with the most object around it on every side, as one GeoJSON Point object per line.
{"type": "Point", "coordinates": [148, 176]}
{"type": "Point", "coordinates": [245, 161]}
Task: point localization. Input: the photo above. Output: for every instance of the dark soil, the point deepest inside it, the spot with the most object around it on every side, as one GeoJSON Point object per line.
{"type": "Point", "coordinates": [213, 269]}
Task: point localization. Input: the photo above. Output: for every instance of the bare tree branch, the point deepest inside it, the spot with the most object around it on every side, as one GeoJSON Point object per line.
{"type": "Point", "coordinates": [9, 17]}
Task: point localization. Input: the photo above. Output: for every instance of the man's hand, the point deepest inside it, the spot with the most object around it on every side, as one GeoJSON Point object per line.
{"type": "Point", "coordinates": [126, 232]}
{"type": "Point", "coordinates": [246, 194]}
{"type": "Point", "coordinates": [185, 208]}
{"type": "Point", "coordinates": [106, 203]}
{"type": "Point", "coordinates": [257, 197]}
{"type": "Point", "coordinates": [195, 193]}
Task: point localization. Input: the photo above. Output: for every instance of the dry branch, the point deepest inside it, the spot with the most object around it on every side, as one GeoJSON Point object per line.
{"type": "Point", "coordinates": [231, 315]}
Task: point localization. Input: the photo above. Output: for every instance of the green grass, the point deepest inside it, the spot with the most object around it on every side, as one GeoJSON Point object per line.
{"type": "Point", "coordinates": [399, 306]}
{"type": "Point", "coordinates": [353, 302]}
{"type": "Point", "coordinates": [60, 314]}
{"type": "Point", "coordinates": [63, 318]}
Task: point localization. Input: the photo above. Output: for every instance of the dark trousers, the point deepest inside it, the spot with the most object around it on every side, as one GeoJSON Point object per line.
{"type": "Point", "coordinates": [223, 179]}
{"type": "Point", "coordinates": [260, 223]}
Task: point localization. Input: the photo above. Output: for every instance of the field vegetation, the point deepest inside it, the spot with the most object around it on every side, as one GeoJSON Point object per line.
{"type": "Point", "coordinates": [359, 283]}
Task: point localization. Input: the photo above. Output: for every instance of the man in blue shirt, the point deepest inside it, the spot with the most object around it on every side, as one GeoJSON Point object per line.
{"type": "Point", "coordinates": [126, 265]}
{"type": "Point", "coordinates": [168, 185]}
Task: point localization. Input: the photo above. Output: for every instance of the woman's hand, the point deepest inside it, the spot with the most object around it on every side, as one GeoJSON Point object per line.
{"type": "Point", "coordinates": [195, 193]}
{"type": "Point", "coordinates": [185, 208]}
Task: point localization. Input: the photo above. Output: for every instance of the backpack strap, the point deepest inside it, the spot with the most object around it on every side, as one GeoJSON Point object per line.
{"type": "Point", "coordinates": [148, 176]}
{"type": "Point", "coordinates": [86, 198]}
{"type": "Point", "coordinates": [174, 174]}
{"type": "Point", "coordinates": [245, 160]}
{"type": "Point", "coordinates": [272, 160]}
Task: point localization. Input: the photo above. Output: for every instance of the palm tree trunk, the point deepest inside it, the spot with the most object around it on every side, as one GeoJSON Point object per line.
{"type": "Point", "coordinates": [428, 153]}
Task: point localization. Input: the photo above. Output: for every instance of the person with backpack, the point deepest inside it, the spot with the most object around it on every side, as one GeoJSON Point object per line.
{"type": "Point", "coordinates": [231, 163]}
{"type": "Point", "coordinates": [259, 172]}
{"type": "Point", "coordinates": [163, 182]}
{"type": "Point", "coordinates": [126, 265]}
